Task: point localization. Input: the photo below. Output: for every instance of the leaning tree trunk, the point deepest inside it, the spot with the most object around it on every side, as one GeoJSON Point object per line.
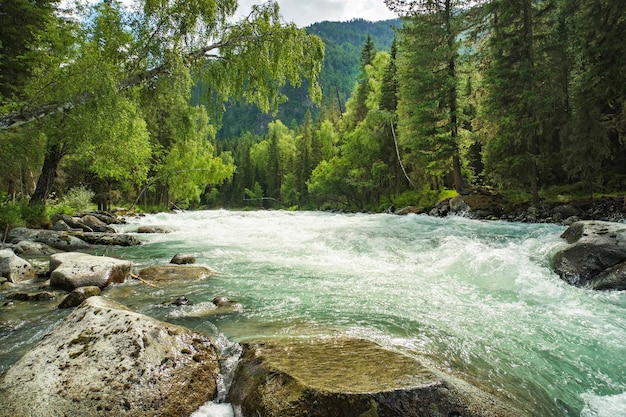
{"type": "Point", "coordinates": [48, 176]}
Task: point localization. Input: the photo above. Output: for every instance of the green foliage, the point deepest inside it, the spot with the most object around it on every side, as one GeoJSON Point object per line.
{"type": "Point", "coordinates": [10, 216]}
{"type": "Point", "coordinates": [79, 199]}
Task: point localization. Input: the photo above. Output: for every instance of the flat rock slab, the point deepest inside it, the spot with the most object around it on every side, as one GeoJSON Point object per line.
{"type": "Point", "coordinates": [72, 270]}
{"type": "Point", "coordinates": [350, 378]}
{"type": "Point", "coordinates": [105, 360]}
{"type": "Point", "coordinates": [174, 273]}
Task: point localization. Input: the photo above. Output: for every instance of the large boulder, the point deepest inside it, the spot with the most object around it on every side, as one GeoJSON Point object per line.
{"type": "Point", "coordinates": [14, 268]}
{"type": "Point", "coordinates": [105, 360]}
{"type": "Point", "coordinates": [72, 270]}
{"type": "Point", "coordinates": [183, 259]}
{"type": "Point", "coordinates": [595, 257]}
{"type": "Point", "coordinates": [349, 378]}
{"type": "Point", "coordinates": [95, 224]}
{"type": "Point", "coordinates": [174, 273]}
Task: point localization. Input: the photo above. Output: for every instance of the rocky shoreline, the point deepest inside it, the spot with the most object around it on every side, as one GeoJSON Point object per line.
{"type": "Point", "coordinates": [104, 359]}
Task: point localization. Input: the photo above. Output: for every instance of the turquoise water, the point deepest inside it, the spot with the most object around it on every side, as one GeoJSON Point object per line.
{"type": "Point", "coordinates": [476, 298]}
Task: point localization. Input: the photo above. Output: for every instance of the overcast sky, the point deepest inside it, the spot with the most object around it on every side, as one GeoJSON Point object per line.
{"type": "Point", "coordinates": [306, 12]}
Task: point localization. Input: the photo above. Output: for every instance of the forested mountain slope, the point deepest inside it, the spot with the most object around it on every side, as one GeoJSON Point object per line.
{"type": "Point", "coordinates": [343, 42]}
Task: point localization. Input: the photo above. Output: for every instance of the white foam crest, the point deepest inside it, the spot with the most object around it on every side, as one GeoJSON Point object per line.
{"type": "Point", "coordinates": [604, 406]}
{"type": "Point", "coordinates": [211, 409]}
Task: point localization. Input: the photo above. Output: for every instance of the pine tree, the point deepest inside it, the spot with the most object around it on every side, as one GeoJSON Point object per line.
{"type": "Point", "coordinates": [428, 86]}
{"type": "Point", "coordinates": [363, 89]}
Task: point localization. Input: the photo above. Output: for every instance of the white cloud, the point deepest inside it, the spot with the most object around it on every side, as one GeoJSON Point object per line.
{"type": "Point", "coordinates": [306, 12]}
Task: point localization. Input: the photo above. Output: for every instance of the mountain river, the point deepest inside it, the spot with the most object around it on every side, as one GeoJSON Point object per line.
{"type": "Point", "coordinates": [474, 298]}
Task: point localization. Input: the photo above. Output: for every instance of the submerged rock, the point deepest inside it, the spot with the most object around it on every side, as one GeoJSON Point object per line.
{"type": "Point", "coordinates": [105, 359]}
{"type": "Point", "coordinates": [596, 256]}
{"type": "Point", "coordinates": [73, 270]}
{"type": "Point", "coordinates": [350, 378]}
{"type": "Point", "coordinates": [165, 273]}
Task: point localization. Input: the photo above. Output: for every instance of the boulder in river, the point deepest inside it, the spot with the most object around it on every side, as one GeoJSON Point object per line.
{"type": "Point", "coordinates": [76, 297]}
{"type": "Point", "coordinates": [14, 268]}
{"type": "Point", "coordinates": [595, 257]}
{"type": "Point", "coordinates": [154, 229]}
{"type": "Point", "coordinates": [106, 360]}
{"type": "Point", "coordinates": [72, 270]}
{"type": "Point", "coordinates": [173, 273]}
{"type": "Point", "coordinates": [350, 378]}
{"type": "Point", "coordinates": [104, 238]}
{"type": "Point", "coordinates": [183, 259]}
{"type": "Point", "coordinates": [55, 239]}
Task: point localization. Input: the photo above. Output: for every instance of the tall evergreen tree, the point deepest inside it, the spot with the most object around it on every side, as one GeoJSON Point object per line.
{"type": "Point", "coordinates": [363, 89]}
{"type": "Point", "coordinates": [520, 105]}
{"type": "Point", "coordinates": [429, 81]}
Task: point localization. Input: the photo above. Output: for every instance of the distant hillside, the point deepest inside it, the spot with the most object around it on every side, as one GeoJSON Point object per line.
{"type": "Point", "coordinates": [344, 41]}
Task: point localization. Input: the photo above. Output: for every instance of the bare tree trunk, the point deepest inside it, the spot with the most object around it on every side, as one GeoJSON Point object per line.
{"type": "Point", "coordinates": [48, 176]}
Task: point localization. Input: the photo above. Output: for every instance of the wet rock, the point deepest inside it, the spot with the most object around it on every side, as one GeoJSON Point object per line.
{"type": "Point", "coordinates": [32, 296]}
{"type": "Point", "coordinates": [61, 226]}
{"type": "Point", "coordinates": [104, 359]}
{"type": "Point", "coordinates": [73, 270]}
{"type": "Point", "coordinates": [26, 247]}
{"type": "Point", "coordinates": [350, 378]}
{"type": "Point", "coordinates": [76, 297]}
{"type": "Point", "coordinates": [595, 257]}
{"type": "Point", "coordinates": [108, 239]}
{"type": "Point", "coordinates": [95, 224]}
{"type": "Point", "coordinates": [458, 205]}
{"type": "Point", "coordinates": [411, 210]}
{"type": "Point", "coordinates": [167, 273]}
{"type": "Point", "coordinates": [154, 229]}
{"type": "Point", "coordinates": [14, 268]}
{"type": "Point", "coordinates": [55, 239]}
{"type": "Point", "coordinates": [183, 258]}
{"type": "Point", "coordinates": [180, 301]}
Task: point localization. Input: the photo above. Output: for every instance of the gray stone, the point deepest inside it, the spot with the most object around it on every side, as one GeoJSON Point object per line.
{"type": "Point", "coordinates": [55, 239]}
{"type": "Point", "coordinates": [350, 378]}
{"type": "Point", "coordinates": [32, 296]}
{"type": "Point", "coordinates": [183, 258]}
{"type": "Point", "coordinates": [458, 205]}
{"type": "Point", "coordinates": [173, 273]}
{"type": "Point", "coordinates": [95, 224]}
{"type": "Point", "coordinates": [76, 297]}
{"type": "Point", "coordinates": [61, 226]}
{"type": "Point", "coordinates": [14, 268]}
{"type": "Point", "coordinates": [26, 247]}
{"type": "Point", "coordinates": [109, 239]}
{"type": "Point", "coordinates": [154, 229]}
{"type": "Point", "coordinates": [105, 360]}
{"type": "Point", "coordinates": [596, 250]}
{"type": "Point", "coordinates": [74, 270]}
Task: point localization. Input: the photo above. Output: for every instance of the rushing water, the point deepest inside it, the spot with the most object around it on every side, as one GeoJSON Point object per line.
{"type": "Point", "coordinates": [476, 298]}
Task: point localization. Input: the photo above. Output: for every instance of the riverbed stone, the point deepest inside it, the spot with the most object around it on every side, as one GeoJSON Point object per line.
{"type": "Point", "coordinates": [153, 229]}
{"type": "Point", "coordinates": [106, 360]}
{"type": "Point", "coordinates": [95, 224]}
{"type": "Point", "coordinates": [595, 257]}
{"type": "Point", "coordinates": [106, 238]}
{"type": "Point", "coordinates": [72, 270]}
{"type": "Point", "coordinates": [350, 378]}
{"type": "Point", "coordinates": [55, 239]}
{"type": "Point", "coordinates": [76, 297]}
{"type": "Point", "coordinates": [26, 247]}
{"type": "Point", "coordinates": [183, 259]}
{"type": "Point", "coordinates": [14, 268]}
{"type": "Point", "coordinates": [174, 273]}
